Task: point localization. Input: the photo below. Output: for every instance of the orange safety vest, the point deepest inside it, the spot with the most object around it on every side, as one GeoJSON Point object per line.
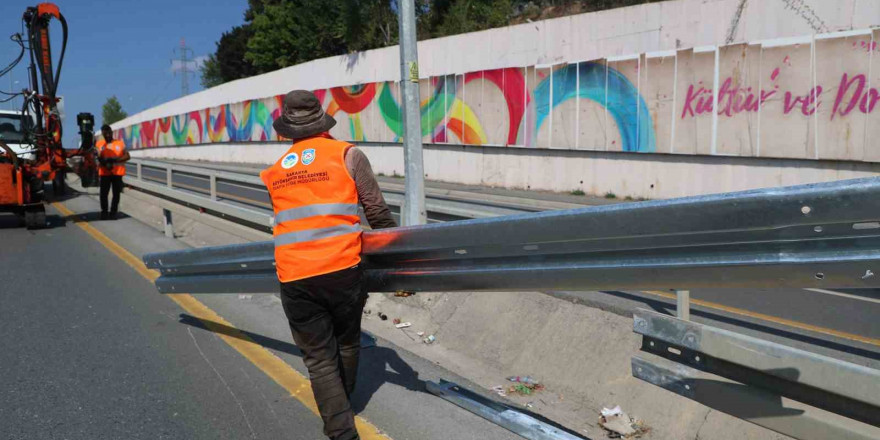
{"type": "Point", "coordinates": [317, 225]}
{"type": "Point", "coordinates": [116, 149]}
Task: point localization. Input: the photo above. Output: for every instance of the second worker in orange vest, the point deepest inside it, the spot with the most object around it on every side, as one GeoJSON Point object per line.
{"type": "Point", "coordinates": [315, 188]}
{"type": "Point", "coordinates": [111, 157]}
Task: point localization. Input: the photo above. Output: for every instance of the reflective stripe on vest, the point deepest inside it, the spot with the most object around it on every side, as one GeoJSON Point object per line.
{"type": "Point", "coordinates": [316, 210]}
{"type": "Point", "coordinates": [315, 234]}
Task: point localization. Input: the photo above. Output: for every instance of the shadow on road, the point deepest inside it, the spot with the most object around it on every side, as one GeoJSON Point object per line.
{"type": "Point", "coordinates": [378, 365]}
{"type": "Point", "coordinates": [89, 217]}
{"type": "Point", "coordinates": [12, 221]}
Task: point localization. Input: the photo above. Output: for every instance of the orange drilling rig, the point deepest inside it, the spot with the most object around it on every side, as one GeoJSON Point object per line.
{"type": "Point", "coordinates": [30, 141]}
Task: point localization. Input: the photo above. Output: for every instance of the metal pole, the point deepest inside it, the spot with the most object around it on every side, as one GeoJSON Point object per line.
{"type": "Point", "coordinates": [166, 221]}
{"type": "Point", "coordinates": [683, 304]}
{"type": "Point", "coordinates": [168, 177]}
{"type": "Point", "coordinates": [213, 187]}
{"type": "Point", "coordinates": [140, 170]}
{"type": "Point", "coordinates": [413, 212]}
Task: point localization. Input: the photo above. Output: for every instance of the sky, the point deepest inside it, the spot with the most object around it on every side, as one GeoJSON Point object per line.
{"type": "Point", "coordinates": [119, 47]}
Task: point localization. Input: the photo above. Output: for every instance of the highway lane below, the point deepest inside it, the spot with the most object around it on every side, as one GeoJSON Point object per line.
{"type": "Point", "coordinates": [91, 351]}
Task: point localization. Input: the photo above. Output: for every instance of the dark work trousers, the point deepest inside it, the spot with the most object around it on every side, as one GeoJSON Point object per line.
{"type": "Point", "coordinates": [324, 313]}
{"type": "Point", "coordinates": [106, 183]}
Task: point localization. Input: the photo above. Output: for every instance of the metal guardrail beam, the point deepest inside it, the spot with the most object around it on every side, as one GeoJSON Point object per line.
{"type": "Point", "coordinates": [821, 381]}
{"type": "Point", "coordinates": [237, 212]}
{"type": "Point", "coordinates": [751, 404]}
{"type": "Point", "coordinates": [199, 171]}
{"type": "Point", "coordinates": [823, 236]}
{"type": "Point", "coordinates": [502, 415]}
{"type": "Point", "coordinates": [446, 203]}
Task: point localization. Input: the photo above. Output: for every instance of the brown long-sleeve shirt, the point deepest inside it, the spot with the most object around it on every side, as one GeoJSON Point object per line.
{"type": "Point", "coordinates": [369, 193]}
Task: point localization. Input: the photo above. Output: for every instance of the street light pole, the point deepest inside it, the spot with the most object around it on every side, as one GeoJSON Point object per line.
{"type": "Point", "coordinates": [413, 212]}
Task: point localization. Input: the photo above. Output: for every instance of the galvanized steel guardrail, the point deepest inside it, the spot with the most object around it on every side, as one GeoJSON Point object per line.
{"type": "Point", "coordinates": [814, 236]}
{"type": "Point", "coordinates": [811, 236]}
{"type": "Point", "coordinates": [447, 204]}
{"type": "Point", "coordinates": [210, 201]}
{"type": "Point", "coordinates": [703, 357]}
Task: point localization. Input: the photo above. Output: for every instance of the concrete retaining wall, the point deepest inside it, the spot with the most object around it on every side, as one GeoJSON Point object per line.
{"type": "Point", "coordinates": [590, 82]}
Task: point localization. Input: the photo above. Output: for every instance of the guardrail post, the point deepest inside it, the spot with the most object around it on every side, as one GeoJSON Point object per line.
{"type": "Point", "coordinates": [166, 221]}
{"type": "Point", "coordinates": [140, 170]}
{"type": "Point", "coordinates": [683, 304]}
{"type": "Point", "coordinates": [168, 177]}
{"type": "Point", "coordinates": [213, 187]}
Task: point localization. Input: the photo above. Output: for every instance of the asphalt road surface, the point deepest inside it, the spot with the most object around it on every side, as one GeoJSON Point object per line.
{"type": "Point", "coordinates": [90, 350]}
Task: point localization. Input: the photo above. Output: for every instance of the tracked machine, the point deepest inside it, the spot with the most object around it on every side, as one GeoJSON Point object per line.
{"type": "Point", "coordinates": [31, 153]}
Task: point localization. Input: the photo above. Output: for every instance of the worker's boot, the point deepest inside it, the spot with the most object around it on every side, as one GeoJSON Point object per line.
{"type": "Point", "coordinates": [104, 215]}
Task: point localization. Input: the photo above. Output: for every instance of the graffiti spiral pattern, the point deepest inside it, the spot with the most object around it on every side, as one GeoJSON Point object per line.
{"type": "Point", "coordinates": [817, 100]}
{"type": "Point", "coordinates": [515, 102]}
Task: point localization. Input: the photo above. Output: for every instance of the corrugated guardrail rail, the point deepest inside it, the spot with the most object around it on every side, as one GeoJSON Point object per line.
{"type": "Point", "coordinates": [246, 194]}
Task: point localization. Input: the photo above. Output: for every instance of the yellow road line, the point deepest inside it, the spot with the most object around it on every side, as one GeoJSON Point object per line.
{"type": "Point", "coordinates": [774, 319]}
{"type": "Point", "coordinates": [283, 374]}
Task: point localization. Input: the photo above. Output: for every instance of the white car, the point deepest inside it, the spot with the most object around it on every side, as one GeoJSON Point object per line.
{"type": "Point", "coordinates": [12, 133]}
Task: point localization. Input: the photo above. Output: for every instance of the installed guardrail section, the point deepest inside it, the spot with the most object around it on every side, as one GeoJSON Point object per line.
{"type": "Point", "coordinates": [813, 236]}
{"type": "Point", "coordinates": [246, 198]}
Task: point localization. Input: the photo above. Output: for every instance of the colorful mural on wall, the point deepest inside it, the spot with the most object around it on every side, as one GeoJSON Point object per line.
{"type": "Point", "coordinates": [814, 100]}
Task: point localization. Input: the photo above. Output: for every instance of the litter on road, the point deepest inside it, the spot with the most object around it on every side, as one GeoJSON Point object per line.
{"type": "Point", "coordinates": [403, 324]}
{"type": "Point", "coordinates": [523, 379]}
{"type": "Point", "coordinates": [430, 339]}
{"type": "Point", "coordinates": [619, 424]}
{"type": "Point", "coordinates": [524, 385]}
{"type": "Point", "coordinates": [499, 390]}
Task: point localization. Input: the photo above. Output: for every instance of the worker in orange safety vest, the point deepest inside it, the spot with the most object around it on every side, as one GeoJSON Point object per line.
{"type": "Point", "coordinates": [112, 156]}
{"type": "Point", "coordinates": [315, 188]}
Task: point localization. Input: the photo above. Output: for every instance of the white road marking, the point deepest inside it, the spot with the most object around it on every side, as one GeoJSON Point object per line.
{"type": "Point", "coordinates": [846, 295]}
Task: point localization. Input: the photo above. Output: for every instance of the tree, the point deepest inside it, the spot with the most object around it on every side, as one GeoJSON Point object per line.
{"type": "Point", "coordinates": [291, 32]}
{"type": "Point", "coordinates": [474, 15]}
{"type": "Point", "coordinates": [112, 111]}
{"type": "Point", "coordinates": [228, 62]}
{"type": "Point", "coordinates": [210, 72]}
{"type": "Point", "coordinates": [281, 33]}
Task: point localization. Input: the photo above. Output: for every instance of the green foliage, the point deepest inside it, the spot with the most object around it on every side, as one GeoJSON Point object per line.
{"type": "Point", "coordinates": [610, 195]}
{"type": "Point", "coordinates": [281, 33]}
{"type": "Point", "coordinates": [473, 15]}
{"type": "Point", "coordinates": [578, 192]}
{"type": "Point", "coordinates": [291, 32]}
{"type": "Point", "coordinates": [210, 72]}
{"type": "Point", "coordinates": [112, 111]}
